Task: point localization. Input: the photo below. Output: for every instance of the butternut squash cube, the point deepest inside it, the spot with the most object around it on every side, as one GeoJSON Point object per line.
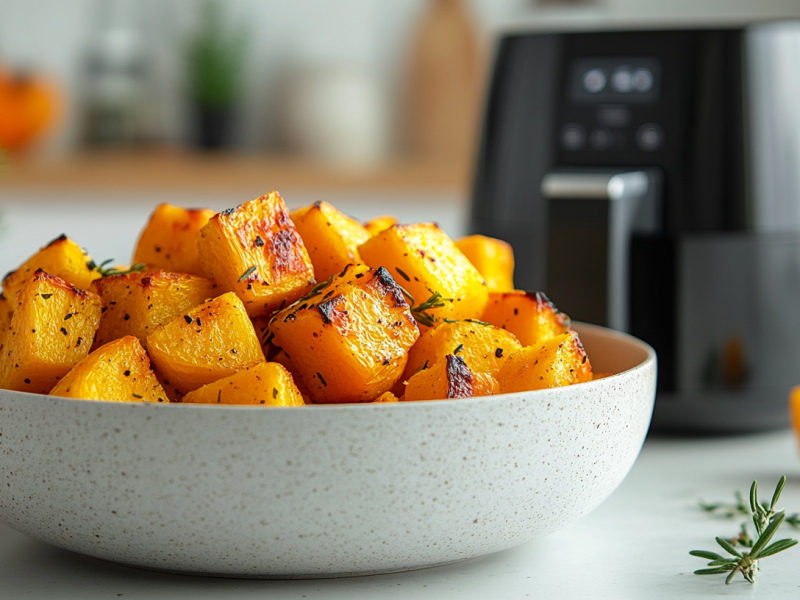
{"type": "Point", "coordinates": [173, 393]}
{"type": "Point", "coordinates": [61, 258]}
{"type": "Point", "coordinates": [51, 331]}
{"type": "Point", "coordinates": [447, 379]}
{"type": "Point", "coordinates": [426, 261]}
{"type": "Point", "coordinates": [330, 236]}
{"type": "Point", "coordinates": [483, 347]}
{"type": "Point", "coordinates": [118, 372]}
{"type": "Point", "coordinates": [207, 343]}
{"type": "Point", "coordinates": [378, 224]}
{"type": "Point", "coordinates": [6, 310]}
{"type": "Point", "coordinates": [493, 258]}
{"type": "Point", "coordinates": [255, 251]}
{"type": "Point", "coordinates": [556, 362]}
{"type": "Point", "coordinates": [264, 384]}
{"type": "Point", "coordinates": [386, 397]}
{"type": "Point", "coordinates": [138, 303]}
{"type": "Point", "coordinates": [169, 240]}
{"type": "Point", "coordinates": [349, 340]}
{"type": "Point", "coordinates": [284, 359]}
{"type": "Point", "coordinates": [528, 315]}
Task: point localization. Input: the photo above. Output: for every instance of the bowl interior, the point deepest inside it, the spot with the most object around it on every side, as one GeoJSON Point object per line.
{"type": "Point", "coordinates": [611, 351]}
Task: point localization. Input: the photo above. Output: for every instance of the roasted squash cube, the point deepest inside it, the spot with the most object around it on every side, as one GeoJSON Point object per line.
{"type": "Point", "coordinates": [386, 397]}
{"type": "Point", "coordinates": [449, 378]}
{"type": "Point", "coordinates": [349, 340]}
{"type": "Point", "coordinates": [264, 384]}
{"type": "Point", "coordinates": [6, 310]}
{"type": "Point", "coordinates": [169, 240]}
{"type": "Point", "coordinates": [556, 362]}
{"type": "Point", "coordinates": [118, 372]}
{"type": "Point", "coordinates": [528, 315]}
{"type": "Point", "coordinates": [493, 258]}
{"type": "Point", "coordinates": [284, 359]}
{"type": "Point", "coordinates": [378, 224]}
{"type": "Point", "coordinates": [255, 251]}
{"type": "Point", "coordinates": [426, 261]}
{"type": "Point", "coordinates": [61, 258]}
{"type": "Point", "coordinates": [483, 347]}
{"type": "Point", "coordinates": [330, 236]}
{"type": "Point", "coordinates": [51, 331]}
{"type": "Point", "coordinates": [207, 343]}
{"type": "Point", "coordinates": [138, 303]}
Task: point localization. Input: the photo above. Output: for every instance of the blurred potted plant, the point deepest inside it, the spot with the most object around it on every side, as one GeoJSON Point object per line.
{"type": "Point", "coordinates": [216, 62]}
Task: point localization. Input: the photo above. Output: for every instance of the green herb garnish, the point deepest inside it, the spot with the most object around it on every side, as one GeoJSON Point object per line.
{"type": "Point", "coordinates": [109, 271]}
{"type": "Point", "coordinates": [420, 312]}
{"type": "Point", "coordinates": [766, 519]}
{"type": "Point", "coordinates": [247, 273]}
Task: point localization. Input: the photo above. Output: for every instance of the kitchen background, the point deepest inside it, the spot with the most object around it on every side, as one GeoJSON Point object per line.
{"type": "Point", "coordinates": [371, 105]}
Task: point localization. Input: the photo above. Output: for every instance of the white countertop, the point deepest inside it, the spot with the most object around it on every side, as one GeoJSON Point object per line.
{"type": "Point", "coordinates": [635, 545]}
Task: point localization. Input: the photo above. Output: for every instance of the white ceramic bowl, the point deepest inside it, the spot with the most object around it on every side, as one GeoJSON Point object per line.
{"type": "Point", "coordinates": [325, 490]}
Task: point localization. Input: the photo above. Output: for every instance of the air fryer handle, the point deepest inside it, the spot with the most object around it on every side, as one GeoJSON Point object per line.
{"type": "Point", "coordinates": [603, 208]}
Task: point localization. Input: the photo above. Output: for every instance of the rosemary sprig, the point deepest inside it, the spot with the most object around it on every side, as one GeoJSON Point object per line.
{"type": "Point", "coordinates": [420, 312]}
{"type": "Point", "coordinates": [767, 520]}
{"type": "Point", "coordinates": [109, 271]}
{"type": "Point", "coordinates": [246, 274]}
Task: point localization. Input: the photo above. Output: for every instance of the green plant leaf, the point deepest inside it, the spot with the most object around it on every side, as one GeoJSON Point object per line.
{"type": "Point", "coordinates": [777, 493]}
{"type": "Point", "coordinates": [778, 546]}
{"type": "Point", "coordinates": [707, 554]}
{"type": "Point", "coordinates": [728, 547]}
{"type": "Point", "coordinates": [714, 571]}
{"type": "Point", "coordinates": [765, 537]}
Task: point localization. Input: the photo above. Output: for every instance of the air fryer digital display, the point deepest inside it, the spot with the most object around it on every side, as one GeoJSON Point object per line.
{"type": "Point", "coordinates": [621, 80]}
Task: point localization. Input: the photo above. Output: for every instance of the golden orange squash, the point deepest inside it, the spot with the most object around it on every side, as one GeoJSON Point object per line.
{"type": "Point", "coordinates": [330, 236]}
{"type": "Point", "coordinates": [283, 359]}
{"type": "Point", "coordinates": [794, 409]}
{"type": "Point", "coordinates": [528, 315]}
{"type": "Point", "coordinates": [138, 303]}
{"type": "Point", "coordinates": [117, 372]}
{"type": "Point", "coordinates": [424, 260]}
{"type": "Point", "coordinates": [255, 251]}
{"type": "Point", "coordinates": [483, 347]}
{"type": "Point", "coordinates": [556, 362]}
{"type": "Point", "coordinates": [61, 258]}
{"type": "Point", "coordinates": [263, 384]}
{"type": "Point", "coordinates": [378, 224]}
{"type": "Point", "coordinates": [349, 340]}
{"type": "Point", "coordinates": [169, 240]}
{"type": "Point", "coordinates": [51, 331]}
{"type": "Point", "coordinates": [6, 310]}
{"type": "Point", "coordinates": [449, 379]}
{"type": "Point", "coordinates": [207, 343]}
{"type": "Point", "coordinates": [493, 258]}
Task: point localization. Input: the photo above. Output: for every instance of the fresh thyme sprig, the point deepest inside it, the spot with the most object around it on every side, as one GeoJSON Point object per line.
{"type": "Point", "coordinates": [109, 271]}
{"type": "Point", "coordinates": [420, 312]}
{"type": "Point", "coordinates": [767, 520]}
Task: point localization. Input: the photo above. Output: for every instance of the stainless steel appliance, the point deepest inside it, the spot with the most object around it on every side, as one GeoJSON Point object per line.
{"type": "Point", "coordinates": [649, 180]}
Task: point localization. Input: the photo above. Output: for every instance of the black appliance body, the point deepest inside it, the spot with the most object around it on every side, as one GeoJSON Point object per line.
{"type": "Point", "coordinates": [649, 180]}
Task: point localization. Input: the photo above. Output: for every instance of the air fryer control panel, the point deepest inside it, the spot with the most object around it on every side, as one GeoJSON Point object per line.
{"type": "Point", "coordinates": [604, 92]}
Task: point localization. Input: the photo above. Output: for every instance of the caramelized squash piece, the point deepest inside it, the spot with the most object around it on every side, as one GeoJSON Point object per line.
{"type": "Point", "coordinates": [378, 224]}
{"type": "Point", "coordinates": [255, 251]}
{"type": "Point", "coordinates": [483, 347]}
{"type": "Point", "coordinates": [61, 258]}
{"type": "Point", "coordinates": [51, 331]}
{"type": "Point", "coordinates": [264, 384]}
{"type": "Point", "coordinates": [6, 310]}
{"type": "Point", "coordinates": [118, 372]}
{"type": "Point", "coordinates": [426, 261]}
{"type": "Point", "coordinates": [330, 236]}
{"type": "Point", "coordinates": [173, 393]}
{"type": "Point", "coordinates": [493, 258]}
{"type": "Point", "coordinates": [794, 409]}
{"type": "Point", "coordinates": [387, 397]}
{"type": "Point", "coordinates": [528, 315]}
{"type": "Point", "coordinates": [169, 240]}
{"type": "Point", "coordinates": [349, 340]}
{"type": "Point", "coordinates": [138, 303]}
{"type": "Point", "coordinates": [557, 362]}
{"type": "Point", "coordinates": [207, 343]}
{"type": "Point", "coordinates": [447, 379]}
{"type": "Point", "coordinates": [283, 359]}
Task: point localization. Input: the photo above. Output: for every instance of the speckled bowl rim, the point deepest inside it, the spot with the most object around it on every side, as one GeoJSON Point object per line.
{"type": "Point", "coordinates": [532, 395]}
